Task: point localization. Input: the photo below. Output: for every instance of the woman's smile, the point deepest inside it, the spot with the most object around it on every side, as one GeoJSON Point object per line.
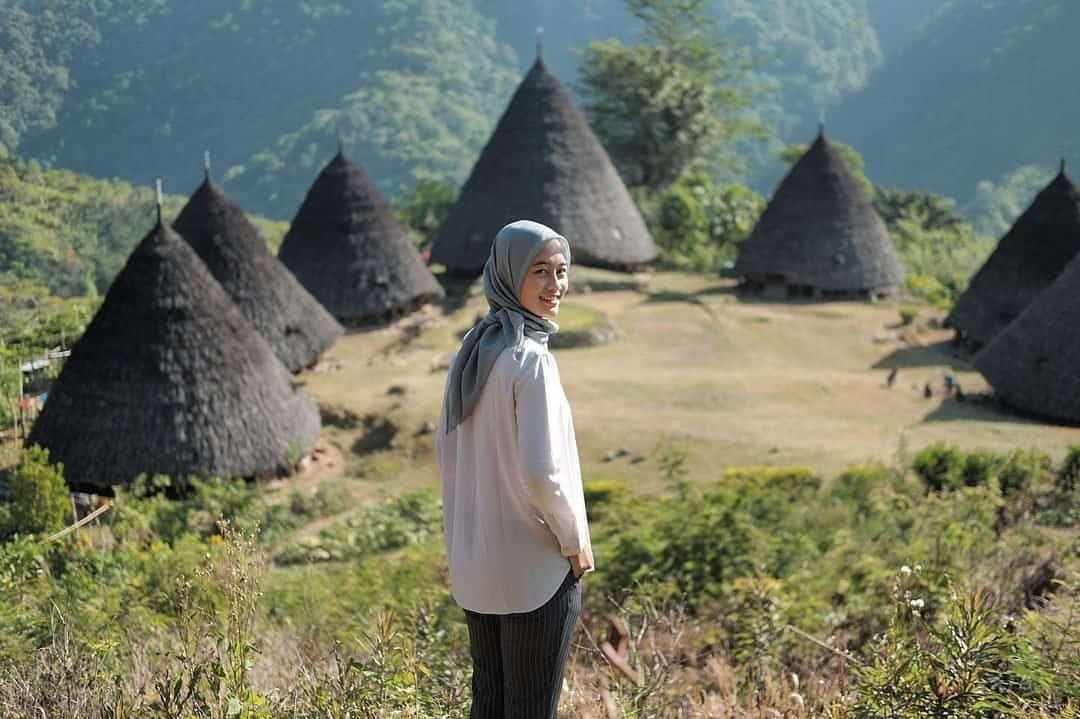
{"type": "Point", "coordinates": [546, 281]}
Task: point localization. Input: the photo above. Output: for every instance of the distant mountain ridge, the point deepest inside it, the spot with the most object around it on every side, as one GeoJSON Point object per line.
{"type": "Point", "coordinates": [412, 86]}
{"type": "Point", "coordinates": [936, 94]}
{"type": "Point", "coordinates": [983, 88]}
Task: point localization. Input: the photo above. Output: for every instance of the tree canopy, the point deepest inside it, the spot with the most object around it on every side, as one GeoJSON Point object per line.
{"type": "Point", "coordinates": [675, 100]}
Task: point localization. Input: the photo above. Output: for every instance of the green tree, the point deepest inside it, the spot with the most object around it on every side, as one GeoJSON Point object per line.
{"type": "Point", "coordinates": [938, 212]}
{"type": "Point", "coordinates": [698, 224]}
{"type": "Point", "coordinates": [36, 38]}
{"type": "Point", "coordinates": [677, 100]}
{"type": "Point", "coordinates": [38, 497]}
{"type": "Point", "coordinates": [424, 208]}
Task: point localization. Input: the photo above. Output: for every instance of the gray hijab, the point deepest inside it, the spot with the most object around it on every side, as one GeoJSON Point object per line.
{"type": "Point", "coordinates": [507, 324]}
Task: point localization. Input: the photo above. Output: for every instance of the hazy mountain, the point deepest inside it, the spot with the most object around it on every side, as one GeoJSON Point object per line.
{"type": "Point", "coordinates": [983, 88]}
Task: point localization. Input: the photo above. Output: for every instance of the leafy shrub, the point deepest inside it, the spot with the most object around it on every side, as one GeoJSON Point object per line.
{"type": "Point", "coordinates": [967, 666]}
{"type": "Point", "coordinates": [908, 315]}
{"type": "Point", "coordinates": [939, 466]}
{"type": "Point", "coordinates": [1024, 470]}
{"type": "Point", "coordinates": [409, 519]}
{"type": "Point", "coordinates": [1069, 476]}
{"type": "Point", "coordinates": [930, 290]}
{"type": "Point", "coordinates": [38, 497]}
{"type": "Point", "coordinates": [699, 225]}
{"type": "Point", "coordinates": [943, 467]}
{"type": "Point", "coordinates": [701, 541]}
{"type": "Point", "coordinates": [856, 488]}
{"type": "Point", "coordinates": [425, 207]}
{"type": "Point", "coordinates": [601, 495]}
{"type": "Point", "coordinates": [980, 468]}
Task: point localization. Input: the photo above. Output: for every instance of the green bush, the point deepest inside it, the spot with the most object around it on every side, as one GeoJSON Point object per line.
{"type": "Point", "coordinates": [908, 315]}
{"type": "Point", "coordinates": [424, 208]}
{"type": "Point", "coordinates": [930, 290]}
{"type": "Point", "coordinates": [1024, 470]}
{"type": "Point", "coordinates": [939, 466]}
{"type": "Point", "coordinates": [38, 498]}
{"type": "Point", "coordinates": [698, 225]}
{"type": "Point", "coordinates": [379, 527]}
{"type": "Point", "coordinates": [981, 467]}
{"type": "Point", "coordinates": [968, 666]}
{"type": "Point", "coordinates": [601, 495]}
{"type": "Point", "coordinates": [943, 467]}
{"type": "Point", "coordinates": [1069, 476]}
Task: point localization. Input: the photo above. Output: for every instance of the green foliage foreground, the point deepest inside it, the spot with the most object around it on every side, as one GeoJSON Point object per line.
{"type": "Point", "coordinates": [949, 591]}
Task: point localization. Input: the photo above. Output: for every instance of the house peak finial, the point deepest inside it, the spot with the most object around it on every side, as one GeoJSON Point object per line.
{"type": "Point", "coordinates": [206, 164]}
{"type": "Point", "coordinates": [540, 42]}
{"type": "Point", "coordinates": [160, 198]}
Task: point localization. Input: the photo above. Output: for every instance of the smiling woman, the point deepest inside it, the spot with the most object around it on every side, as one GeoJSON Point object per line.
{"type": "Point", "coordinates": [547, 280]}
{"type": "Point", "coordinates": [517, 539]}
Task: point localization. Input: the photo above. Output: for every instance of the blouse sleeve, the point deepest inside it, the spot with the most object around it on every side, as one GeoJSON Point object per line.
{"type": "Point", "coordinates": [542, 440]}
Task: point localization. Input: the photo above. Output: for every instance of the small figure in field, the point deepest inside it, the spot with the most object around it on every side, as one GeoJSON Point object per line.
{"type": "Point", "coordinates": [927, 391]}
{"type": "Point", "coordinates": [891, 379]}
{"type": "Point", "coordinates": [950, 384]}
{"type": "Point", "coordinates": [958, 393]}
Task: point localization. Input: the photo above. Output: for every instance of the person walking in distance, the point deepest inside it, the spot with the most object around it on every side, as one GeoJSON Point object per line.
{"type": "Point", "coordinates": [517, 538]}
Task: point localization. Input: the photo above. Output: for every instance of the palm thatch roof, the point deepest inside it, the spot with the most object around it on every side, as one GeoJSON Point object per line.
{"type": "Point", "coordinates": [348, 250]}
{"type": "Point", "coordinates": [1027, 259]}
{"type": "Point", "coordinates": [820, 230]}
{"type": "Point", "coordinates": [297, 327]}
{"type": "Point", "coordinates": [170, 378]}
{"type": "Point", "coordinates": [544, 163]}
{"type": "Point", "coordinates": [1031, 363]}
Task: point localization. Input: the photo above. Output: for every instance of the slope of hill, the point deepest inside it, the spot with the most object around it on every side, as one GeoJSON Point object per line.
{"type": "Point", "coordinates": [70, 233]}
{"type": "Point", "coordinates": [135, 90]}
{"type": "Point", "coordinates": [267, 86]}
{"type": "Point", "coordinates": [732, 382]}
{"type": "Point", "coordinates": [981, 90]}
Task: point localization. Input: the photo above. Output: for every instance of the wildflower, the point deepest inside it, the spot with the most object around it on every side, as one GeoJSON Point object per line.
{"type": "Point", "coordinates": [905, 570]}
{"type": "Point", "coordinates": [917, 603]}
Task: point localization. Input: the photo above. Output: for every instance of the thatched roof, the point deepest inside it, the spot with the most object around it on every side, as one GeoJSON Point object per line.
{"type": "Point", "coordinates": [821, 230]}
{"type": "Point", "coordinates": [1027, 259]}
{"type": "Point", "coordinates": [1031, 363]}
{"type": "Point", "coordinates": [170, 378]}
{"type": "Point", "coordinates": [544, 163]}
{"type": "Point", "coordinates": [347, 249]}
{"type": "Point", "coordinates": [297, 327]}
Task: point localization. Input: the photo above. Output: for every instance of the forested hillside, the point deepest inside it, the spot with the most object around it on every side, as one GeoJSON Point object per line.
{"type": "Point", "coordinates": [936, 94]}
{"type": "Point", "coordinates": [983, 88]}
{"type": "Point", "coordinates": [71, 234]}
{"type": "Point", "coordinates": [138, 90]}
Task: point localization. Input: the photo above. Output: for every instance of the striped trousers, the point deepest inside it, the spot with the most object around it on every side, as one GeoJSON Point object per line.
{"type": "Point", "coordinates": [519, 659]}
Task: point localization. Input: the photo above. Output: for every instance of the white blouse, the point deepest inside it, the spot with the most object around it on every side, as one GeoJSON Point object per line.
{"type": "Point", "coordinates": [513, 503]}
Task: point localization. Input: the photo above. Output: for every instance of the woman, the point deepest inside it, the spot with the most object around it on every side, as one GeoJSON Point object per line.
{"type": "Point", "coordinates": [517, 540]}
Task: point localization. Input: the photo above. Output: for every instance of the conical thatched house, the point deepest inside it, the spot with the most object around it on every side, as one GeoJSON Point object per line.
{"type": "Point", "coordinates": [820, 235]}
{"type": "Point", "coordinates": [170, 378]}
{"type": "Point", "coordinates": [1031, 363]}
{"type": "Point", "coordinates": [348, 250]}
{"type": "Point", "coordinates": [1027, 259]}
{"type": "Point", "coordinates": [297, 327]}
{"type": "Point", "coordinates": [544, 163]}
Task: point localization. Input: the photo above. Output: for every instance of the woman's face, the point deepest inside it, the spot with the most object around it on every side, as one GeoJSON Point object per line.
{"type": "Point", "coordinates": [546, 281]}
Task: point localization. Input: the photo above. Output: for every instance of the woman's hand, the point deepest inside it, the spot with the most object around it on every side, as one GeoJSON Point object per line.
{"type": "Point", "coordinates": [581, 563]}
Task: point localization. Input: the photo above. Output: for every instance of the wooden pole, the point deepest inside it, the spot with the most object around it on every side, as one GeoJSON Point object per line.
{"type": "Point", "coordinates": [21, 416]}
